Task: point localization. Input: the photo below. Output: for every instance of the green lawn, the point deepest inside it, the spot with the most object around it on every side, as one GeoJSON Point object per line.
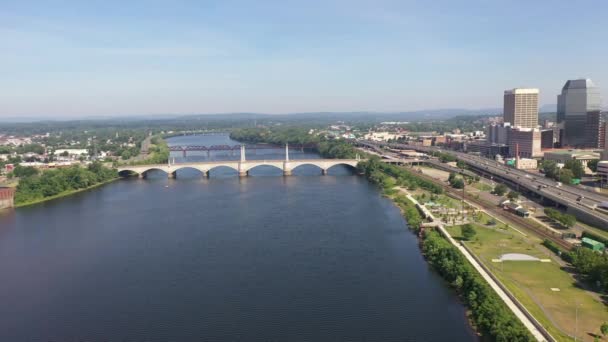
{"type": "Point", "coordinates": [531, 283]}
{"type": "Point", "coordinates": [482, 186]}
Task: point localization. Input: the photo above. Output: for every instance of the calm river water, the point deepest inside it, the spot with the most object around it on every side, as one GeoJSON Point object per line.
{"type": "Point", "coordinates": [301, 258]}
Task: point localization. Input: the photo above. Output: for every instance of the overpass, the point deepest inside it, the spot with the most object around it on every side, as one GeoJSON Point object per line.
{"type": "Point", "coordinates": [579, 202]}
{"type": "Point", "coordinates": [242, 166]}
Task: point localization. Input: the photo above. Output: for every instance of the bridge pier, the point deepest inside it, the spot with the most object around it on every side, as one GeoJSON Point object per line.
{"type": "Point", "coordinates": [172, 175]}
{"type": "Point", "coordinates": [243, 173]}
{"type": "Point", "coordinates": [286, 172]}
{"type": "Point", "coordinates": [324, 172]}
{"type": "Point", "coordinates": [141, 175]}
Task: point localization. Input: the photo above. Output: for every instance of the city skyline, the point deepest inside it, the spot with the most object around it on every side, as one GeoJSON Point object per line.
{"type": "Point", "coordinates": [227, 57]}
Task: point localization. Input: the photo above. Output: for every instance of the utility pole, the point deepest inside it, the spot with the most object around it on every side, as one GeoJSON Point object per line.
{"type": "Point", "coordinates": [576, 320]}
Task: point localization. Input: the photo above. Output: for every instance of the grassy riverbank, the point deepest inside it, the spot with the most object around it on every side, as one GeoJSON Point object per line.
{"type": "Point", "coordinates": [546, 290]}
{"type": "Point", "coordinates": [64, 194]}
{"type": "Point", "coordinates": [36, 186]}
{"type": "Point", "coordinates": [488, 313]}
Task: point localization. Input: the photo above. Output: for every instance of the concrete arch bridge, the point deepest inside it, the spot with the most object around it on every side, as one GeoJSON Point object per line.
{"type": "Point", "coordinates": [242, 167]}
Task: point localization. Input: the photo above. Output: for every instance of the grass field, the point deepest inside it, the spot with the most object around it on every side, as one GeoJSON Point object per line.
{"type": "Point", "coordinates": [532, 282]}
{"type": "Point", "coordinates": [482, 186]}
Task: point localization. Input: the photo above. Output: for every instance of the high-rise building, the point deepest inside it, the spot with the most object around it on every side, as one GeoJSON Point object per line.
{"type": "Point", "coordinates": [525, 143]}
{"type": "Point", "coordinates": [578, 110]}
{"type": "Point", "coordinates": [521, 107]}
{"type": "Point", "coordinates": [498, 133]}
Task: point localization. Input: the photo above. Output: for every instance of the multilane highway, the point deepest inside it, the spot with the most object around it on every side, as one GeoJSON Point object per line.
{"type": "Point", "coordinates": [580, 202]}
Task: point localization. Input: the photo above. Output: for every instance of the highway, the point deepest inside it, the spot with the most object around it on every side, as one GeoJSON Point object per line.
{"type": "Point", "coordinates": [569, 196]}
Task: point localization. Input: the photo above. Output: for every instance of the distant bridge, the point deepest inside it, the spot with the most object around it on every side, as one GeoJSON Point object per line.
{"type": "Point", "coordinates": [242, 166]}
{"type": "Point", "coordinates": [187, 148]}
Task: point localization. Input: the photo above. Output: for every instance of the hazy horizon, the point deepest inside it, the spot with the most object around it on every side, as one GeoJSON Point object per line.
{"type": "Point", "coordinates": [80, 60]}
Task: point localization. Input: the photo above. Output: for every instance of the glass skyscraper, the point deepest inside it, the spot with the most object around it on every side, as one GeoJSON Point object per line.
{"type": "Point", "coordinates": [578, 110]}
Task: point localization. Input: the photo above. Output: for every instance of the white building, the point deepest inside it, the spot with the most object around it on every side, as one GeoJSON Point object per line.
{"type": "Point", "coordinates": [72, 153]}
{"type": "Point", "coordinates": [383, 136]}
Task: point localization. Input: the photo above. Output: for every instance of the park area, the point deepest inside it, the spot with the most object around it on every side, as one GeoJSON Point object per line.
{"type": "Point", "coordinates": [546, 289]}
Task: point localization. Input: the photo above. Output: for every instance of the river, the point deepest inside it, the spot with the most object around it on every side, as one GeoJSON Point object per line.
{"type": "Point", "coordinates": [300, 258]}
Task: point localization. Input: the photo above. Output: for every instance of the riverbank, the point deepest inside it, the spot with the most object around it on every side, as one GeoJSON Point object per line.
{"type": "Point", "coordinates": [492, 313]}
{"type": "Point", "coordinates": [65, 194]}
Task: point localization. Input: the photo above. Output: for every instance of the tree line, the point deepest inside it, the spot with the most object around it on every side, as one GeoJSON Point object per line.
{"type": "Point", "coordinates": [573, 169]}
{"type": "Point", "coordinates": [566, 220]}
{"type": "Point", "coordinates": [35, 185]}
{"type": "Point", "coordinates": [388, 176]}
{"type": "Point", "coordinates": [488, 312]}
{"type": "Point", "coordinates": [327, 148]}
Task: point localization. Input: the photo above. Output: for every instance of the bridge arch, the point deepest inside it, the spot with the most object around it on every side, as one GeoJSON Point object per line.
{"type": "Point", "coordinates": [126, 173]}
{"type": "Point", "coordinates": [256, 165]}
{"type": "Point", "coordinates": [301, 166]}
{"type": "Point", "coordinates": [223, 165]}
{"type": "Point", "coordinates": [348, 165]}
{"type": "Point", "coordinates": [201, 170]}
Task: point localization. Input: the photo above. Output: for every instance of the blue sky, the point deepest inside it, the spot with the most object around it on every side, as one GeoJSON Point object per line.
{"type": "Point", "coordinates": [84, 58]}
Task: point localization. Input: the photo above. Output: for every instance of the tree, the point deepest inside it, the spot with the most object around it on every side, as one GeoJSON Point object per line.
{"type": "Point", "coordinates": [578, 171]}
{"type": "Point", "coordinates": [451, 177]}
{"type": "Point", "coordinates": [604, 328]}
{"type": "Point", "coordinates": [125, 155]}
{"type": "Point", "coordinates": [550, 168]}
{"type": "Point", "coordinates": [568, 220]}
{"type": "Point", "coordinates": [592, 164]}
{"type": "Point", "coordinates": [500, 189]}
{"type": "Point", "coordinates": [461, 165]}
{"type": "Point", "coordinates": [467, 231]}
{"type": "Point", "coordinates": [566, 176]}
{"type": "Point", "coordinates": [513, 195]}
{"type": "Point", "coordinates": [458, 183]}
{"type": "Point", "coordinates": [24, 171]}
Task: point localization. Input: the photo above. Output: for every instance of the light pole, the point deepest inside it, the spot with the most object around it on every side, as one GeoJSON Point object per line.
{"type": "Point", "coordinates": [576, 320]}
{"type": "Point", "coordinates": [502, 253]}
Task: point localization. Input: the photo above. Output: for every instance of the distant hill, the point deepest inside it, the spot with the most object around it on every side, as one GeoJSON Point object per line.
{"type": "Point", "coordinates": [420, 115]}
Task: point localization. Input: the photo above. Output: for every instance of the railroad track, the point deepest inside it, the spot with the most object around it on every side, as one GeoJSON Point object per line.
{"type": "Point", "coordinates": [502, 214]}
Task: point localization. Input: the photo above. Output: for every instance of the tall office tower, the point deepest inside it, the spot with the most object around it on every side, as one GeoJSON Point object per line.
{"type": "Point", "coordinates": [578, 109]}
{"type": "Point", "coordinates": [521, 107]}
{"type": "Point", "coordinates": [594, 130]}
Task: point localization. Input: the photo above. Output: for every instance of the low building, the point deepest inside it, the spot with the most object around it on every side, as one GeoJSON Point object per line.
{"type": "Point", "coordinates": [592, 244]}
{"type": "Point", "coordinates": [526, 164]}
{"type": "Point", "coordinates": [7, 196]}
{"type": "Point", "coordinates": [486, 149]}
{"type": "Point", "coordinates": [383, 136]}
{"type": "Point", "coordinates": [562, 156]}
{"type": "Point", "coordinates": [77, 152]}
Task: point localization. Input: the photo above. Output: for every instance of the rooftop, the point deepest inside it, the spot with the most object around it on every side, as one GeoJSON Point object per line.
{"type": "Point", "coordinates": [581, 83]}
{"type": "Point", "coordinates": [522, 91]}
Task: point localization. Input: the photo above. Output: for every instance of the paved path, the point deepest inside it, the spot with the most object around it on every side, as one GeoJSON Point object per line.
{"type": "Point", "coordinates": [493, 284]}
